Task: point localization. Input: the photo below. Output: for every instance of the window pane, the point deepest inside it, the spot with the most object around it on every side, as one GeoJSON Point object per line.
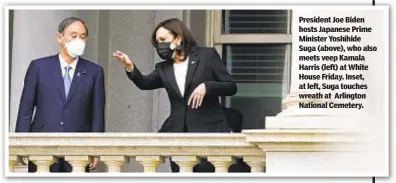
{"type": "Point", "coordinates": [256, 63]}
{"type": "Point", "coordinates": [254, 21]}
{"type": "Point", "coordinates": [256, 109]}
{"type": "Point", "coordinates": [260, 72]}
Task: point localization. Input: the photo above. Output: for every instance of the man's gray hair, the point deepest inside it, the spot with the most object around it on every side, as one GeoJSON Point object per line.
{"type": "Point", "coordinates": [68, 21]}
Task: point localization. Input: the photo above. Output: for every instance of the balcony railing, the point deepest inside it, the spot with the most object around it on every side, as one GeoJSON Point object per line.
{"type": "Point", "coordinates": [150, 149]}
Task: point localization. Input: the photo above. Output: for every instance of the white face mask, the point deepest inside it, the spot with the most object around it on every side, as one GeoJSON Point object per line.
{"type": "Point", "coordinates": [75, 47]}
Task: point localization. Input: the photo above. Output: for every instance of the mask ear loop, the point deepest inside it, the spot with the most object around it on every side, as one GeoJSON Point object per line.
{"type": "Point", "coordinates": [173, 46]}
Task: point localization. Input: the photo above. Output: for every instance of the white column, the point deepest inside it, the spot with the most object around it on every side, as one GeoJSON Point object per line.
{"type": "Point", "coordinates": [114, 163]}
{"type": "Point", "coordinates": [221, 163]}
{"type": "Point", "coordinates": [150, 163]}
{"type": "Point", "coordinates": [43, 163]}
{"type": "Point", "coordinates": [78, 163]}
{"type": "Point", "coordinates": [186, 163]}
{"type": "Point", "coordinates": [34, 36]}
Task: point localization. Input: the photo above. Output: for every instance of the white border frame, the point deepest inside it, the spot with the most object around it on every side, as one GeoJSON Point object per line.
{"type": "Point", "coordinates": [172, 7]}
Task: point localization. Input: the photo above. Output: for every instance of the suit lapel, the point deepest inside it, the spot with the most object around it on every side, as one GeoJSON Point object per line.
{"type": "Point", "coordinates": [54, 68]}
{"type": "Point", "coordinates": [192, 66]}
{"type": "Point", "coordinates": [172, 80]}
{"type": "Point", "coordinates": [78, 77]}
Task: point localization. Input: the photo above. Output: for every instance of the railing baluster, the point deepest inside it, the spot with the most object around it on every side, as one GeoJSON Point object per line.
{"type": "Point", "coordinates": [186, 163]}
{"type": "Point", "coordinates": [43, 163]}
{"type": "Point", "coordinates": [221, 163]}
{"type": "Point", "coordinates": [150, 163]}
{"type": "Point", "coordinates": [114, 163]}
{"type": "Point", "coordinates": [12, 161]}
{"type": "Point", "coordinates": [256, 163]}
{"type": "Point", "coordinates": [78, 162]}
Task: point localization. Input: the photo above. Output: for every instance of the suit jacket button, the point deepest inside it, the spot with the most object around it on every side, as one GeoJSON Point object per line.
{"type": "Point", "coordinates": [61, 123]}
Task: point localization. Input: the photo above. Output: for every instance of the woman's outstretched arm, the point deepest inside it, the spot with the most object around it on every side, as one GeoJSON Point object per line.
{"type": "Point", "coordinates": [144, 82]}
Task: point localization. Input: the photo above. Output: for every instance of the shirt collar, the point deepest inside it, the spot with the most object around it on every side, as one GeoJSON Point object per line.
{"type": "Point", "coordinates": [63, 63]}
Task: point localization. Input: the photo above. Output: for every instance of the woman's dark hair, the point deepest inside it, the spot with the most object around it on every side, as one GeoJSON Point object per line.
{"type": "Point", "coordinates": [177, 28]}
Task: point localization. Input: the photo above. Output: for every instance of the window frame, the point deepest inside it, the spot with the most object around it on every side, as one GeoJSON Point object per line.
{"type": "Point", "coordinates": [215, 38]}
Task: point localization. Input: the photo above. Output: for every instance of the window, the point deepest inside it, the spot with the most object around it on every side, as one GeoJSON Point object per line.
{"type": "Point", "coordinates": [256, 48]}
{"type": "Point", "coordinates": [254, 21]}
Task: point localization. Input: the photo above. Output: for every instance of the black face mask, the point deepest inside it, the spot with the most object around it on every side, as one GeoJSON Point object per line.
{"type": "Point", "coordinates": [164, 51]}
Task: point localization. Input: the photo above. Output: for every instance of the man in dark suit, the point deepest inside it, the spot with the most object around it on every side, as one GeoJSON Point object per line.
{"type": "Point", "coordinates": [66, 91]}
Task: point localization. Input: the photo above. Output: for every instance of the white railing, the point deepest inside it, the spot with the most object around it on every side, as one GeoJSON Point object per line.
{"type": "Point", "coordinates": [150, 149]}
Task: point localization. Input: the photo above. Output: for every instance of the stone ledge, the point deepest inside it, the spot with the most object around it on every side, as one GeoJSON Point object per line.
{"type": "Point", "coordinates": [128, 139]}
{"type": "Point", "coordinates": [307, 140]}
{"type": "Point", "coordinates": [247, 143]}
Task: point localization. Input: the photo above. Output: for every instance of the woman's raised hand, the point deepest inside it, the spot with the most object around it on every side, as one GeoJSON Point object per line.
{"type": "Point", "coordinates": [124, 59]}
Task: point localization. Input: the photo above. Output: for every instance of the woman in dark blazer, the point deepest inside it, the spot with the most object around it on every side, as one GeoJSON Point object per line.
{"type": "Point", "coordinates": [194, 78]}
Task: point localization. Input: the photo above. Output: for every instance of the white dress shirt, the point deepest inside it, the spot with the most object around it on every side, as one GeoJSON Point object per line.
{"type": "Point", "coordinates": [180, 74]}
{"type": "Point", "coordinates": [63, 64]}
